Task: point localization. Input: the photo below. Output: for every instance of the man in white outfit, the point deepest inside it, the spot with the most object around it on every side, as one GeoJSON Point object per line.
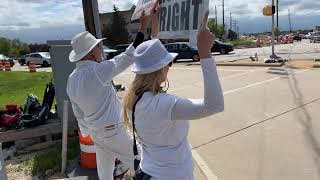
{"type": "Point", "coordinates": [95, 102]}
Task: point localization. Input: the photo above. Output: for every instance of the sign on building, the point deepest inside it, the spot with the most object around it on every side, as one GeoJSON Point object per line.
{"type": "Point", "coordinates": [143, 5]}
{"type": "Point", "coordinates": [179, 18]}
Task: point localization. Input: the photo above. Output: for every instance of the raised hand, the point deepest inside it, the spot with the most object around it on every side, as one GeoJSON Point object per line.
{"type": "Point", "coordinates": [155, 19]}
{"type": "Point", "coordinates": [144, 21]}
{"type": "Point", "coordinates": [205, 38]}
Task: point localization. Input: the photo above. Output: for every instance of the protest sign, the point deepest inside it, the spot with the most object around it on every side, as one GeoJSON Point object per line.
{"type": "Point", "coordinates": [178, 18]}
{"type": "Point", "coordinates": [143, 5]}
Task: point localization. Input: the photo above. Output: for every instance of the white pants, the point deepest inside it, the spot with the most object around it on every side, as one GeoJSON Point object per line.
{"type": "Point", "coordinates": [112, 144]}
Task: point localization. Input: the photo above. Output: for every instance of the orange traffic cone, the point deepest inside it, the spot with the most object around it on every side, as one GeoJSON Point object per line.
{"type": "Point", "coordinates": [88, 152]}
{"type": "Point", "coordinates": [1, 66]}
{"type": "Point", "coordinates": [7, 66]}
{"type": "Point", "coordinates": [32, 67]}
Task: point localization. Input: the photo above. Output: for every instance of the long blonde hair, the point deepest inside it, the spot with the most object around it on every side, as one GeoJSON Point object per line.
{"type": "Point", "coordinates": [141, 83]}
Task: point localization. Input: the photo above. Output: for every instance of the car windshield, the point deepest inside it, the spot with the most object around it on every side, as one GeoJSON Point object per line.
{"type": "Point", "coordinates": [45, 54]}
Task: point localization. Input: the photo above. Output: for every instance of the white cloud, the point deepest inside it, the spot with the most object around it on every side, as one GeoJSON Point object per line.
{"type": "Point", "coordinates": [19, 16]}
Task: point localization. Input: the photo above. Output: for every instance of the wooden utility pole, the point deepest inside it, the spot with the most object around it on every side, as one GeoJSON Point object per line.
{"type": "Point", "coordinates": [223, 15]}
{"type": "Point", "coordinates": [231, 21]}
{"type": "Point", "coordinates": [88, 17]}
{"type": "Point", "coordinates": [91, 17]}
{"type": "Point", "coordinates": [277, 13]}
{"type": "Point", "coordinates": [289, 16]}
{"type": "Point", "coordinates": [216, 13]}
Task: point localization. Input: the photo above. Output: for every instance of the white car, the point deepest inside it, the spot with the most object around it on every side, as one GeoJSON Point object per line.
{"type": "Point", "coordinates": [40, 58]}
{"type": "Point", "coordinates": [315, 37]}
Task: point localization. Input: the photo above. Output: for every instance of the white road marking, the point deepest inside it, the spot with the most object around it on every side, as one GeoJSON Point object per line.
{"type": "Point", "coordinates": [260, 82]}
{"type": "Point", "coordinates": [196, 156]}
{"type": "Point", "coordinates": [222, 78]}
{"type": "Point", "coordinates": [203, 166]}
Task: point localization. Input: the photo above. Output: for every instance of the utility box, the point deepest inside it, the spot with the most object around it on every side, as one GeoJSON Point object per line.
{"type": "Point", "coordinates": [61, 69]}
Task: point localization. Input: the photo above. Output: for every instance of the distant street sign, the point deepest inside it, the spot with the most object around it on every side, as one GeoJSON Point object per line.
{"type": "Point", "coordinates": [269, 10]}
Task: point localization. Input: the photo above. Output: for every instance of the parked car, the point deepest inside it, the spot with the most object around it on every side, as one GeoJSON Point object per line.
{"type": "Point", "coordinates": [109, 53]}
{"type": "Point", "coordinates": [4, 58]}
{"type": "Point", "coordinates": [22, 59]}
{"type": "Point", "coordinates": [184, 50]}
{"type": "Point", "coordinates": [121, 48]}
{"type": "Point", "coordinates": [315, 37]}
{"type": "Point", "coordinates": [40, 58]}
{"type": "Point", "coordinates": [297, 38]}
{"type": "Point", "coordinates": [222, 48]}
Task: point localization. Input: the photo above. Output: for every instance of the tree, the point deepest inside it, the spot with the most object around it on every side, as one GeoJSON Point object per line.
{"type": "Point", "coordinates": [217, 30]}
{"type": "Point", "coordinates": [232, 35]}
{"type": "Point", "coordinates": [4, 46]}
{"type": "Point", "coordinates": [116, 31]}
{"type": "Point", "coordinates": [277, 31]}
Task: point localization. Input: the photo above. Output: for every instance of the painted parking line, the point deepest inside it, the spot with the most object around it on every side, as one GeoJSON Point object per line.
{"type": "Point", "coordinates": [196, 156]}
{"type": "Point", "coordinates": [203, 166]}
{"type": "Point", "coordinates": [221, 78]}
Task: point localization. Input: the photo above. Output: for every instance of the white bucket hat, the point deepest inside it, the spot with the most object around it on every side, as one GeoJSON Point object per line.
{"type": "Point", "coordinates": [82, 44]}
{"type": "Point", "coordinates": [151, 56]}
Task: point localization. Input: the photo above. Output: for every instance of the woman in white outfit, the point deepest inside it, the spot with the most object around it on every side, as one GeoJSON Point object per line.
{"type": "Point", "coordinates": [161, 119]}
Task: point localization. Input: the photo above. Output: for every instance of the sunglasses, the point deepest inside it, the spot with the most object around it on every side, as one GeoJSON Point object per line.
{"type": "Point", "coordinates": [170, 64]}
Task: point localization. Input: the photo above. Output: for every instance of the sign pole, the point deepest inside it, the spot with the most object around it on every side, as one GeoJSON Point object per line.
{"type": "Point", "coordinates": [273, 36]}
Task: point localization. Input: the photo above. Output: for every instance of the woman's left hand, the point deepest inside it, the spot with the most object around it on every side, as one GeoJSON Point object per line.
{"type": "Point", "coordinates": [144, 21]}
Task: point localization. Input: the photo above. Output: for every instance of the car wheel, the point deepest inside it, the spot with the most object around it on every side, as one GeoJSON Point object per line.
{"type": "Point", "coordinates": [195, 58]}
{"type": "Point", "coordinates": [45, 64]}
{"type": "Point", "coordinates": [222, 51]}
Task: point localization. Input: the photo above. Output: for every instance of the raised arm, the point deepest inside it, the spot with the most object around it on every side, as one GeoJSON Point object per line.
{"type": "Point", "coordinates": [213, 101]}
{"type": "Point", "coordinates": [107, 70]}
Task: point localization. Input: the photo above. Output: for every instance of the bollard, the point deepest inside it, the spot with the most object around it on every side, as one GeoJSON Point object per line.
{"type": "Point", "coordinates": [64, 136]}
{"type": "Point", "coordinates": [3, 172]}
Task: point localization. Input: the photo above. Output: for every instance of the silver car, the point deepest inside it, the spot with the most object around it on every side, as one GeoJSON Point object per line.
{"type": "Point", "coordinates": [40, 58]}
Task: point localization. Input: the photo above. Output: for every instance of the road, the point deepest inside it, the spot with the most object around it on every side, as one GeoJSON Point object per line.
{"type": "Point", "coordinates": [297, 50]}
{"type": "Point", "coordinates": [269, 129]}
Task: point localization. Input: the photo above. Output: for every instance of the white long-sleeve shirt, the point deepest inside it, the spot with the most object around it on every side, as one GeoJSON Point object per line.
{"type": "Point", "coordinates": [94, 100]}
{"type": "Point", "coordinates": [166, 154]}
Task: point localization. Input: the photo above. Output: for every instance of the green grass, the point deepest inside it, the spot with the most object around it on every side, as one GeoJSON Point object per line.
{"type": "Point", "coordinates": [244, 42]}
{"type": "Point", "coordinates": [51, 159]}
{"type": "Point", "coordinates": [16, 86]}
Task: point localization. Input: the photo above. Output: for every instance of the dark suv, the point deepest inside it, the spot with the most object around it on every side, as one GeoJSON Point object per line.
{"type": "Point", "coordinates": [222, 48]}
{"type": "Point", "coordinates": [22, 59]}
{"type": "Point", "coordinates": [121, 48]}
{"type": "Point", "coordinates": [184, 50]}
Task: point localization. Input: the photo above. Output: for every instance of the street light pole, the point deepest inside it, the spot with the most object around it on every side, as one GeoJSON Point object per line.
{"type": "Point", "coordinates": [273, 36]}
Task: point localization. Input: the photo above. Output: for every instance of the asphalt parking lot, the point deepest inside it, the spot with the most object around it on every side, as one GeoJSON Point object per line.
{"type": "Point", "coordinates": [269, 129]}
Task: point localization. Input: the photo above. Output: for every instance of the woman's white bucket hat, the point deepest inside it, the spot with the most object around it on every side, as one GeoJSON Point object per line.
{"type": "Point", "coordinates": [82, 44]}
{"type": "Point", "coordinates": [151, 56]}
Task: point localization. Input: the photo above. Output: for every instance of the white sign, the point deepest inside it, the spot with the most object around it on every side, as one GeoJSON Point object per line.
{"type": "Point", "coordinates": [143, 5]}
{"type": "Point", "coordinates": [180, 17]}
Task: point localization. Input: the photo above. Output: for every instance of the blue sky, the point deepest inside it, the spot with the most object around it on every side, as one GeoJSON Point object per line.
{"type": "Point", "coordinates": [42, 20]}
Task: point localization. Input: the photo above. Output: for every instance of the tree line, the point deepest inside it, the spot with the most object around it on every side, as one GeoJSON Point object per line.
{"type": "Point", "coordinates": [15, 48]}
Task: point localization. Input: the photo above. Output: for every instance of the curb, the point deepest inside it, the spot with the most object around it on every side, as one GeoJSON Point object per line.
{"type": "Point", "coordinates": [243, 64]}
{"type": "Point", "coordinates": [252, 64]}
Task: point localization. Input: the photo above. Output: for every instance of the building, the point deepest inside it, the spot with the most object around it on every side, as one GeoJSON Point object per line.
{"type": "Point", "coordinates": [317, 28]}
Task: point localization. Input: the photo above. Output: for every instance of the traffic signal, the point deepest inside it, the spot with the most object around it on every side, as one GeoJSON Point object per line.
{"type": "Point", "coordinates": [269, 10]}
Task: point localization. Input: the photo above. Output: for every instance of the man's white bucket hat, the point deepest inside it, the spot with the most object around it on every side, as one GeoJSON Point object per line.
{"type": "Point", "coordinates": [151, 56]}
{"type": "Point", "coordinates": [82, 44]}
